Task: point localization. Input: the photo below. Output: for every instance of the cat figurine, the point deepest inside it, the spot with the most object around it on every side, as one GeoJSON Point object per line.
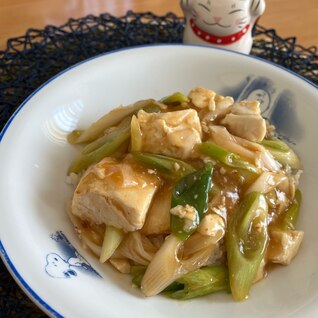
{"type": "Point", "coordinates": [222, 23]}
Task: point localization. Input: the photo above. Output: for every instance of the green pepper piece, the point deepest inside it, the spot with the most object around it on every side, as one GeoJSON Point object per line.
{"type": "Point", "coordinates": [111, 142]}
{"type": "Point", "coordinates": [193, 189]}
{"type": "Point", "coordinates": [246, 243]}
{"type": "Point", "coordinates": [282, 152]}
{"type": "Point", "coordinates": [168, 166]}
{"type": "Point", "coordinates": [175, 98]}
{"type": "Point", "coordinates": [201, 282]}
{"type": "Point", "coordinates": [291, 215]}
{"type": "Point", "coordinates": [226, 157]}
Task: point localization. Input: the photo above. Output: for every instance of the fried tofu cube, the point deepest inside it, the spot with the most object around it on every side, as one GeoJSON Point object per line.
{"type": "Point", "coordinates": [115, 193]}
{"type": "Point", "coordinates": [245, 120]}
{"type": "Point", "coordinates": [212, 225]}
{"type": "Point", "coordinates": [202, 98]}
{"type": "Point", "coordinates": [284, 246]}
{"type": "Point", "coordinates": [172, 133]}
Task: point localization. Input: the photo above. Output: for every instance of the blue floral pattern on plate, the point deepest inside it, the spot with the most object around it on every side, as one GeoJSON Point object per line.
{"type": "Point", "coordinates": [67, 263]}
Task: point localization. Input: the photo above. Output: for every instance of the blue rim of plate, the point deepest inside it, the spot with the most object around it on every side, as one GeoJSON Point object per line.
{"type": "Point", "coordinates": [5, 257]}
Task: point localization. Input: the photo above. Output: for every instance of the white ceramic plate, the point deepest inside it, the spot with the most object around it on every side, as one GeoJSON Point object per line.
{"type": "Point", "coordinates": [38, 243]}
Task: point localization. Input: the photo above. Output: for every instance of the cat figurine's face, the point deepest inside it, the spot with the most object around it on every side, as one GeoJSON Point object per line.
{"type": "Point", "coordinates": [209, 19]}
{"type": "Point", "coordinates": [221, 17]}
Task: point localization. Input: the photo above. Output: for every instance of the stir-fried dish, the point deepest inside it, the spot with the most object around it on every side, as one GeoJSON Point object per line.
{"type": "Point", "coordinates": [190, 194]}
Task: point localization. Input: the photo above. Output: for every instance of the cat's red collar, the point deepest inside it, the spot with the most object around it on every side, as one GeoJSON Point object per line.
{"type": "Point", "coordinates": [219, 40]}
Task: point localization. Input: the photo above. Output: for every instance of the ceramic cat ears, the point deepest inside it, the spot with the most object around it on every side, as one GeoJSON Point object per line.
{"type": "Point", "coordinates": [257, 7]}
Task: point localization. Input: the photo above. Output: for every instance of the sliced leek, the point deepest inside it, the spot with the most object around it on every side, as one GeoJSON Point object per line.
{"type": "Point", "coordinates": [110, 119]}
{"type": "Point", "coordinates": [113, 237]}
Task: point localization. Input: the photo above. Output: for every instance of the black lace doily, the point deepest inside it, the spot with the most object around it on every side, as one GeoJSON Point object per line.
{"type": "Point", "coordinates": [32, 59]}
